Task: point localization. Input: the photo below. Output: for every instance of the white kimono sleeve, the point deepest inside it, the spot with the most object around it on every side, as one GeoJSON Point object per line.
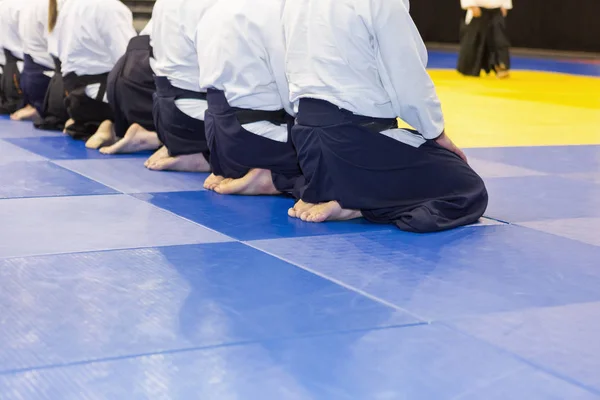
{"type": "Point", "coordinates": [275, 43]}
{"type": "Point", "coordinates": [402, 59]}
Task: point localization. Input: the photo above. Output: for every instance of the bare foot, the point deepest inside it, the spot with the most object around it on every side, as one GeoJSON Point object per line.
{"type": "Point", "coordinates": [213, 181]}
{"type": "Point", "coordinates": [502, 72]}
{"type": "Point", "coordinates": [104, 136]}
{"type": "Point", "coordinates": [69, 122]}
{"type": "Point", "coordinates": [136, 139]}
{"type": "Point", "coordinates": [24, 114]}
{"type": "Point", "coordinates": [158, 154]}
{"type": "Point", "coordinates": [256, 182]}
{"type": "Point", "coordinates": [330, 211]}
{"type": "Point", "coordinates": [186, 163]}
{"type": "Point", "coordinates": [299, 208]}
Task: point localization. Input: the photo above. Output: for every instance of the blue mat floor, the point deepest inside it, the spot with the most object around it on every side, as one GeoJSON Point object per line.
{"type": "Point", "coordinates": [121, 283]}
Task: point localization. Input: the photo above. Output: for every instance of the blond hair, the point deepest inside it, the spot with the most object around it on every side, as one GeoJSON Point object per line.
{"type": "Point", "coordinates": [52, 14]}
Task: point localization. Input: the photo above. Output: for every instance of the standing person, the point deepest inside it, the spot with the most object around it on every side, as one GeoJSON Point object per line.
{"type": "Point", "coordinates": [11, 46]}
{"type": "Point", "coordinates": [38, 66]}
{"type": "Point", "coordinates": [91, 36]}
{"type": "Point", "coordinates": [249, 116]}
{"type": "Point", "coordinates": [484, 43]}
{"type": "Point", "coordinates": [130, 90]}
{"type": "Point", "coordinates": [355, 66]}
{"type": "Point", "coordinates": [179, 103]}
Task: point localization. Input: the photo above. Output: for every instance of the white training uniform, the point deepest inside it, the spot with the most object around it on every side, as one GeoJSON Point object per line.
{"type": "Point", "coordinates": [241, 48]}
{"type": "Point", "coordinates": [489, 4]}
{"type": "Point", "coordinates": [174, 41]}
{"type": "Point", "coordinates": [365, 56]}
{"type": "Point", "coordinates": [10, 39]}
{"type": "Point", "coordinates": [90, 36]}
{"type": "Point", "coordinates": [33, 29]}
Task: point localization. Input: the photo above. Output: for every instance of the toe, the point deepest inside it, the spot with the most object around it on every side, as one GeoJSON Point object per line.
{"type": "Point", "coordinates": [320, 217]}
{"type": "Point", "coordinates": [305, 216]}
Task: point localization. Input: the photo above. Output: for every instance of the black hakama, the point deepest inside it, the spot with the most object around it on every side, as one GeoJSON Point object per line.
{"type": "Point", "coordinates": [180, 133]}
{"type": "Point", "coordinates": [54, 112]}
{"type": "Point", "coordinates": [131, 86]}
{"type": "Point", "coordinates": [88, 113]}
{"type": "Point", "coordinates": [234, 151]}
{"type": "Point", "coordinates": [11, 95]}
{"type": "Point", "coordinates": [419, 189]}
{"type": "Point", "coordinates": [484, 44]}
{"type": "Point", "coordinates": [34, 83]}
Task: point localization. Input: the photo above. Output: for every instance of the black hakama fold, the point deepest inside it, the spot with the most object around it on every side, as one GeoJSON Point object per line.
{"type": "Point", "coordinates": [54, 112]}
{"type": "Point", "coordinates": [88, 113]}
{"type": "Point", "coordinates": [345, 158]}
{"type": "Point", "coordinates": [234, 151]}
{"type": "Point", "coordinates": [130, 87]}
{"type": "Point", "coordinates": [180, 133]}
{"type": "Point", "coordinates": [11, 95]}
{"type": "Point", "coordinates": [34, 83]}
{"type": "Point", "coordinates": [484, 44]}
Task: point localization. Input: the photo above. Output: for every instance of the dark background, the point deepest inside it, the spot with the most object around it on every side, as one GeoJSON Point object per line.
{"type": "Point", "coordinates": [572, 25]}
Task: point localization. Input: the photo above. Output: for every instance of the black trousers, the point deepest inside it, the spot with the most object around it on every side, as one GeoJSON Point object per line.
{"type": "Point", "coordinates": [130, 87]}
{"type": "Point", "coordinates": [53, 114]}
{"type": "Point", "coordinates": [235, 151]}
{"type": "Point", "coordinates": [344, 158]}
{"type": "Point", "coordinates": [179, 132]}
{"type": "Point", "coordinates": [484, 44]}
{"type": "Point", "coordinates": [88, 113]}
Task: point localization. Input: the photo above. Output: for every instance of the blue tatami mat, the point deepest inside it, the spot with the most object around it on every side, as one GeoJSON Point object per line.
{"type": "Point", "coordinates": [568, 347]}
{"type": "Point", "coordinates": [129, 175]}
{"type": "Point", "coordinates": [473, 270]}
{"type": "Point", "coordinates": [250, 218]}
{"type": "Point", "coordinates": [64, 148]}
{"type": "Point", "coordinates": [17, 129]}
{"type": "Point", "coordinates": [422, 362]}
{"type": "Point", "coordinates": [86, 223]}
{"type": "Point", "coordinates": [10, 153]}
{"type": "Point", "coordinates": [42, 178]}
{"type": "Point", "coordinates": [165, 299]}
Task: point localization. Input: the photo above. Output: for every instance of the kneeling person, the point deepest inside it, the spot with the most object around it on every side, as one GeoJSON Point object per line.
{"type": "Point", "coordinates": [179, 103]}
{"type": "Point", "coordinates": [130, 88]}
{"type": "Point", "coordinates": [91, 36]}
{"type": "Point", "coordinates": [354, 66]}
{"type": "Point", "coordinates": [38, 67]}
{"type": "Point", "coordinates": [249, 114]}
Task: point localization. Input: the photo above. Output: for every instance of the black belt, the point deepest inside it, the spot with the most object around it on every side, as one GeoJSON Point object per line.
{"type": "Point", "coordinates": [57, 65]}
{"type": "Point", "coordinates": [246, 116]}
{"type": "Point", "coordinates": [379, 126]}
{"type": "Point", "coordinates": [72, 81]}
{"type": "Point", "coordinates": [316, 112]}
{"type": "Point", "coordinates": [166, 89]}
